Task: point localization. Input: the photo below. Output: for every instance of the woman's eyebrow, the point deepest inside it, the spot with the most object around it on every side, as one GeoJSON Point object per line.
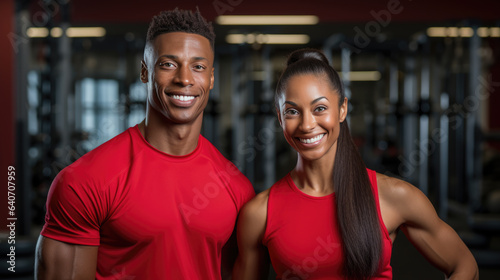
{"type": "Point", "coordinates": [312, 102]}
{"type": "Point", "coordinates": [318, 99]}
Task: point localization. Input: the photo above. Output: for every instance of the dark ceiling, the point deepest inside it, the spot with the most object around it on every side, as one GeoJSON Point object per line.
{"type": "Point", "coordinates": [100, 11]}
{"type": "Point", "coordinates": [403, 18]}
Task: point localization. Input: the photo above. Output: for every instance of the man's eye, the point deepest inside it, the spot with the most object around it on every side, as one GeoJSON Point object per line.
{"type": "Point", "coordinates": [166, 64]}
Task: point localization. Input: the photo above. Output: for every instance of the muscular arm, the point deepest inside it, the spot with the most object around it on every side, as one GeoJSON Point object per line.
{"type": "Point", "coordinates": [432, 237]}
{"type": "Point", "coordinates": [253, 259]}
{"type": "Point", "coordinates": [58, 260]}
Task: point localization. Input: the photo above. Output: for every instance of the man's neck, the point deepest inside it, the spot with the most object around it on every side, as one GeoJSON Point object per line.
{"type": "Point", "coordinates": [171, 138]}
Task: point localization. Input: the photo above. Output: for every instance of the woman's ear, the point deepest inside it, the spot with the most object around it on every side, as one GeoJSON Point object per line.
{"type": "Point", "coordinates": [279, 116]}
{"type": "Point", "coordinates": [343, 110]}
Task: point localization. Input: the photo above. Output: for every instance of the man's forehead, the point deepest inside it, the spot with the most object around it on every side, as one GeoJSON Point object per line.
{"type": "Point", "coordinates": [182, 42]}
{"type": "Point", "coordinates": [181, 37]}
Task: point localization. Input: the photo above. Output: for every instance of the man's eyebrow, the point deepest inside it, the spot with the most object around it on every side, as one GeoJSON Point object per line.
{"type": "Point", "coordinates": [196, 58]}
{"type": "Point", "coordinates": [171, 56]}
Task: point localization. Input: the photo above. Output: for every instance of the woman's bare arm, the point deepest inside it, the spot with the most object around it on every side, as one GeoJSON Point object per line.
{"type": "Point", "coordinates": [431, 236]}
{"type": "Point", "coordinates": [253, 260]}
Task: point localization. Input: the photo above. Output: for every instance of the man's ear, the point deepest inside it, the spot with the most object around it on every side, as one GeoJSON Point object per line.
{"type": "Point", "coordinates": [144, 72]}
{"type": "Point", "coordinates": [212, 79]}
{"type": "Point", "coordinates": [343, 110]}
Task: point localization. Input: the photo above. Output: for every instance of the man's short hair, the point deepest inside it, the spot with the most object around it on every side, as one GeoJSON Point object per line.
{"type": "Point", "coordinates": [180, 21]}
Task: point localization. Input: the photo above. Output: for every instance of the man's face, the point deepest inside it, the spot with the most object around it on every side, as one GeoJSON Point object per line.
{"type": "Point", "coordinates": [178, 68]}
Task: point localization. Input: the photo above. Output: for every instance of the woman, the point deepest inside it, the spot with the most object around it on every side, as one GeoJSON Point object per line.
{"type": "Point", "coordinates": [330, 217]}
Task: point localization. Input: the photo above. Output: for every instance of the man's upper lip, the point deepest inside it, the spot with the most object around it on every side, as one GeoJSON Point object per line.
{"type": "Point", "coordinates": [180, 93]}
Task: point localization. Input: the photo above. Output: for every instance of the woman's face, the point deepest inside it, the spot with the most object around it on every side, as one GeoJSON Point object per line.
{"type": "Point", "coordinates": [310, 116]}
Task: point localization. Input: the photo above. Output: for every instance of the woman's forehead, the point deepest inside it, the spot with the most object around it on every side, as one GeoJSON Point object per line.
{"type": "Point", "coordinates": [308, 85]}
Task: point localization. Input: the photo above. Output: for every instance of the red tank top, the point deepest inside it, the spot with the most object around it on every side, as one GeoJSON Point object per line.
{"type": "Point", "coordinates": [302, 237]}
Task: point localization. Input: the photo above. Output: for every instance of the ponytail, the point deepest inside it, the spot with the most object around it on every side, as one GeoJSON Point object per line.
{"type": "Point", "coordinates": [357, 216]}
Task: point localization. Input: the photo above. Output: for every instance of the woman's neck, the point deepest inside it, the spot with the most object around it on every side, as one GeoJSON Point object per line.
{"type": "Point", "coordinates": [314, 177]}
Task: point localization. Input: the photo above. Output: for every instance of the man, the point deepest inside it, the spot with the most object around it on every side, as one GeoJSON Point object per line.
{"type": "Point", "coordinates": [157, 201]}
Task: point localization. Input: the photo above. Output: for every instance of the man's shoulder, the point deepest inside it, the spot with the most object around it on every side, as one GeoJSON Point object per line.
{"type": "Point", "coordinates": [213, 154]}
{"type": "Point", "coordinates": [227, 169]}
{"type": "Point", "coordinates": [103, 162]}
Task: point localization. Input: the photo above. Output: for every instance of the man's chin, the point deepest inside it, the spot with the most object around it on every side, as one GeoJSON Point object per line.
{"type": "Point", "coordinates": [182, 119]}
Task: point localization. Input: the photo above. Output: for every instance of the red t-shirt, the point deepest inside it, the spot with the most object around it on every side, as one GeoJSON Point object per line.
{"type": "Point", "coordinates": [153, 215]}
{"type": "Point", "coordinates": [302, 237]}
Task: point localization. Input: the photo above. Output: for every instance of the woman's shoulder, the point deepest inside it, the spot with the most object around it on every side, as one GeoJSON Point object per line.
{"type": "Point", "coordinates": [256, 209]}
{"type": "Point", "coordinates": [253, 219]}
{"type": "Point", "coordinates": [258, 204]}
{"type": "Point", "coordinates": [394, 188]}
{"type": "Point", "coordinates": [400, 195]}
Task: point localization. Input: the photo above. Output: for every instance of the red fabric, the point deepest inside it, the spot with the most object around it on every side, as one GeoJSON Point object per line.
{"type": "Point", "coordinates": [153, 215]}
{"type": "Point", "coordinates": [302, 237]}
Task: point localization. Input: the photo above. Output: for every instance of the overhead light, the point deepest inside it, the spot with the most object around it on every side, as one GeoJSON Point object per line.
{"type": "Point", "coordinates": [37, 32]}
{"type": "Point", "coordinates": [363, 76]}
{"type": "Point", "coordinates": [462, 32]}
{"type": "Point", "coordinates": [450, 32]}
{"type": "Point", "coordinates": [483, 31]}
{"type": "Point", "coordinates": [466, 32]}
{"type": "Point", "coordinates": [494, 31]}
{"type": "Point", "coordinates": [291, 39]}
{"type": "Point", "coordinates": [267, 20]}
{"type": "Point", "coordinates": [86, 32]}
{"type": "Point", "coordinates": [56, 32]}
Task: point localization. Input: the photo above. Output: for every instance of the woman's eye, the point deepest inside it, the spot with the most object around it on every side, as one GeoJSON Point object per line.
{"type": "Point", "coordinates": [291, 112]}
{"type": "Point", "coordinates": [320, 109]}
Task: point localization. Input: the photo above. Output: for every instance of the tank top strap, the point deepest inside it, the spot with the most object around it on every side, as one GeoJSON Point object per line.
{"type": "Point", "coordinates": [277, 197]}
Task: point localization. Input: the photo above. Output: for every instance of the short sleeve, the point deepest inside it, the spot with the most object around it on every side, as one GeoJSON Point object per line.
{"type": "Point", "coordinates": [74, 210]}
{"type": "Point", "coordinates": [247, 193]}
{"type": "Point", "coordinates": [242, 188]}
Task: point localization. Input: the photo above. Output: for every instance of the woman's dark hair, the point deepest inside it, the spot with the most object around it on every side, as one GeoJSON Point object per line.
{"type": "Point", "coordinates": [357, 216]}
{"type": "Point", "coordinates": [180, 21]}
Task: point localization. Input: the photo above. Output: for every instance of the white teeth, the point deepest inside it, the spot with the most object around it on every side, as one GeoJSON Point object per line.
{"type": "Point", "coordinates": [183, 97]}
{"type": "Point", "coordinates": [312, 140]}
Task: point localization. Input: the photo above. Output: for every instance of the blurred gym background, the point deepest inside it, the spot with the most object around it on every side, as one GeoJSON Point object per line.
{"type": "Point", "coordinates": [423, 79]}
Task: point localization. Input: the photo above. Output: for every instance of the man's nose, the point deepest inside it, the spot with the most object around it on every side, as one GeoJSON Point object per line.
{"type": "Point", "coordinates": [184, 76]}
